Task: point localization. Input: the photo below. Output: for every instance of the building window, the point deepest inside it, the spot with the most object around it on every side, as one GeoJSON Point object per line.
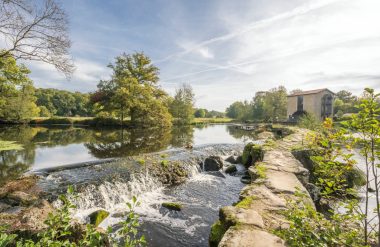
{"type": "Point", "coordinates": [300, 103]}
{"type": "Point", "coordinates": [327, 106]}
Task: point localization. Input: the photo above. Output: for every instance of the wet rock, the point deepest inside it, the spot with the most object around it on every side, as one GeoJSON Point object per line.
{"type": "Point", "coordinates": [314, 191]}
{"type": "Point", "coordinates": [172, 206]}
{"type": "Point", "coordinates": [230, 169]}
{"type": "Point", "coordinates": [213, 163]}
{"type": "Point", "coordinates": [371, 190]}
{"type": "Point", "coordinates": [232, 159]}
{"type": "Point", "coordinates": [251, 154]}
{"type": "Point", "coordinates": [246, 179]}
{"type": "Point", "coordinates": [98, 217]}
{"type": "Point", "coordinates": [4, 206]}
{"type": "Point", "coordinates": [239, 160]}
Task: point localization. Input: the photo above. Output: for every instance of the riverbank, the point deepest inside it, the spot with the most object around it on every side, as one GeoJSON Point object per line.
{"type": "Point", "coordinates": [252, 221]}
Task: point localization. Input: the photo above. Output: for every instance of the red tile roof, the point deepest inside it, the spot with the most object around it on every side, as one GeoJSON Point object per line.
{"type": "Point", "coordinates": [315, 91]}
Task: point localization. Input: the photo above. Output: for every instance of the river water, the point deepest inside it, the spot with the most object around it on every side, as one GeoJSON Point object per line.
{"type": "Point", "coordinates": [109, 186]}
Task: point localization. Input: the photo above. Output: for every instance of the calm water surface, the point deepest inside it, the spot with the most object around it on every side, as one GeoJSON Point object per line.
{"type": "Point", "coordinates": [54, 146]}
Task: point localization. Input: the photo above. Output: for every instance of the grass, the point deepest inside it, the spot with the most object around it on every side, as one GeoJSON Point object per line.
{"type": "Point", "coordinates": [211, 120]}
{"type": "Point", "coordinates": [216, 234]}
{"type": "Point", "coordinates": [246, 202]}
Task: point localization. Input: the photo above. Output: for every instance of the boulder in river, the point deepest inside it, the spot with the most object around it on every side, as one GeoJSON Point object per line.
{"type": "Point", "coordinates": [172, 206]}
{"type": "Point", "coordinates": [246, 179]}
{"type": "Point", "coordinates": [232, 159]}
{"type": "Point", "coordinates": [252, 153]}
{"type": "Point", "coordinates": [213, 163]}
{"type": "Point", "coordinates": [98, 217]}
{"type": "Point", "coordinates": [230, 169]}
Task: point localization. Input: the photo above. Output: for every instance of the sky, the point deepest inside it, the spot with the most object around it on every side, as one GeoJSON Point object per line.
{"type": "Point", "coordinates": [226, 50]}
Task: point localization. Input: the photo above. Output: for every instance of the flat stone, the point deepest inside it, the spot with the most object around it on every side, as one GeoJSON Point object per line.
{"type": "Point", "coordinates": [264, 196]}
{"type": "Point", "coordinates": [22, 198]}
{"type": "Point", "coordinates": [240, 216]}
{"type": "Point", "coordinates": [283, 182]}
{"type": "Point", "coordinates": [245, 236]}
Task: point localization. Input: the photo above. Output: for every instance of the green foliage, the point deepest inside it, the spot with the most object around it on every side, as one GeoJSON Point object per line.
{"type": "Point", "coordinates": [17, 101]}
{"type": "Point", "coordinates": [133, 91]}
{"type": "Point", "coordinates": [200, 113]}
{"type": "Point", "coordinates": [310, 228]}
{"type": "Point", "coordinates": [52, 121]}
{"type": "Point", "coordinates": [265, 106]}
{"type": "Point", "coordinates": [63, 103]}
{"type": "Point", "coordinates": [216, 233]}
{"type": "Point", "coordinates": [309, 121]}
{"type": "Point", "coordinates": [141, 162]}
{"type": "Point", "coordinates": [261, 170]}
{"type": "Point", "coordinates": [181, 107]}
{"type": "Point", "coordinates": [332, 166]}
{"type": "Point", "coordinates": [129, 228]}
{"type": "Point", "coordinates": [165, 163]}
{"type": "Point", "coordinates": [172, 205]}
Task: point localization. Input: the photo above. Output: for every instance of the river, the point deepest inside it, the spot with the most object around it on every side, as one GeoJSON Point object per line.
{"type": "Point", "coordinates": [109, 186]}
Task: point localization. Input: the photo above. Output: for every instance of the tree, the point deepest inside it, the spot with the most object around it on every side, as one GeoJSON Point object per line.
{"type": "Point", "coordinates": [275, 104]}
{"type": "Point", "coordinates": [36, 31]}
{"type": "Point", "coordinates": [200, 113]}
{"type": "Point", "coordinates": [133, 91]}
{"type": "Point", "coordinates": [258, 106]}
{"type": "Point", "coordinates": [17, 101]}
{"type": "Point", "coordinates": [181, 107]}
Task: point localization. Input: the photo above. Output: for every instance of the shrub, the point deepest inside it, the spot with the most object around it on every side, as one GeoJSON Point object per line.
{"type": "Point", "coordinates": [309, 121]}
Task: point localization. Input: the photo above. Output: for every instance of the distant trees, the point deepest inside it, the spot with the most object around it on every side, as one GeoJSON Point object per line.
{"type": "Point", "coordinates": [35, 30]}
{"type": "Point", "coordinates": [54, 102]}
{"type": "Point", "coordinates": [265, 106]}
{"type": "Point", "coordinates": [17, 101]}
{"type": "Point", "coordinates": [133, 91]}
{"type": "Point", "coordinates": [345, 102]}
{"type": "Point", "coordinates": [200, 113]}
{"type": "Point", "coordinates": [182, 106]}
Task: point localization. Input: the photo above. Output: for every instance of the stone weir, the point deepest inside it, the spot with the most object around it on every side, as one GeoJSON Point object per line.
{"type": "Point", "coordinates": [251, 221]}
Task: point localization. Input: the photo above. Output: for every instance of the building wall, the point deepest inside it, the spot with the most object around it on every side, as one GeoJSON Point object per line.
{"type": "Point", "coordinates": [311, 104]}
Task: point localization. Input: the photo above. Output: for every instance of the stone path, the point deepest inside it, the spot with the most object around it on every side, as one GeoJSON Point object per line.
{"type": "Point", "coordinates": [251, 222]}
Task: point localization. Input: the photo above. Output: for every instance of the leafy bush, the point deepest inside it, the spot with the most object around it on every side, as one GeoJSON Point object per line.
{"type": "Point", "coordinates": [309, 121]}
{"type": "Point", "coordinates": [310, 228]}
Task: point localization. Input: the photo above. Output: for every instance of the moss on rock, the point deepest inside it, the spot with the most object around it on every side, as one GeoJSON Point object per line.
{"type": "Point", "coordinates": [246, 202]}
{"type": "Point", "coordinates": [98, 216]}
{"type": "Point", "coordinates": [252, 153]}
{"type": "Point", "coordinates": [216, 233]}
{"type": "Point", "coordinates": [172, 206]}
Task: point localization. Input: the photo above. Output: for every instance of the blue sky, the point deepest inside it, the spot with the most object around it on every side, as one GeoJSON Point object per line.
{"type": "Point", "coordinates": [227, 50]}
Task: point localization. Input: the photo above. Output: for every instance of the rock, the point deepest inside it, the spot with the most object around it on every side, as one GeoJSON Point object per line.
{"type": "Point", "coordinates": [216, 233]}
{"type": "Point", "coordinates": [232, 216]}
{"type": "Point", "coordinates": [98, 217]}
{"type": "Point", "coordinates": [21, 198]}
{"type": "Point", "coordinates": [247, 236]}
{"type": "Point", "coordinates": [213, 163]}
{"type": "Point", "coordinates": [230, 169]}
{"type": "Point", "coordinates": [4, 206]}
{"type": "Point", "coordinates": [265, 135]}
{"type": "Point", "coordinates": [314, 191]}
{"type": "Point", "coordinates": [246, 179]}
{"type": "Point", "coordinates": [14, 210]}
{"type": "Point", "coordinates": [239, 160]}
{"type": "Point", "coordinates": [232, 160]}
{"type": "Point", "coordinates": [251, 154]}
{"type": "Point", "coordinates": [172, 206]}
{"type": "Point", "coordinates": [371, 190]}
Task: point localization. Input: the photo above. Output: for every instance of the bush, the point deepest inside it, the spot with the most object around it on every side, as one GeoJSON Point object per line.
{"type": "Point", "coordinates": [52, 121]}
{"type": "Point", "coordinates": [309, 121]}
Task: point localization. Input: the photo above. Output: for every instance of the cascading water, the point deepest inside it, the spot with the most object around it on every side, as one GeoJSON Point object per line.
{"type": "Point", "coordinates": [110, 187]}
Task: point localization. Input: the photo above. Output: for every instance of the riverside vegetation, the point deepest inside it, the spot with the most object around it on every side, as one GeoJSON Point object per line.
{"type": "Point", "coordinates": [335, 174]}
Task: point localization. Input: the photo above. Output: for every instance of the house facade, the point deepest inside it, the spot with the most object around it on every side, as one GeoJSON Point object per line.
{"type": "Point", "coordinates": [318, 102]}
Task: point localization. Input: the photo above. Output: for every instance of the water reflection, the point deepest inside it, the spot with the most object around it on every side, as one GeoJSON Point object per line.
{"type": "Point", "coordinates": [47, 147]}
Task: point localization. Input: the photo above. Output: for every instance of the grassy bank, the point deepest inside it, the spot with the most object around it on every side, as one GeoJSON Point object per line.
{"type": "Point", "coordinates": [211, 120]}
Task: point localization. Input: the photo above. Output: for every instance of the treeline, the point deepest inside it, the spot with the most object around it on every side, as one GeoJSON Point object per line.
{"type": "Point", "coordinates": [204, 113]}
{"type": "Point", "coordinates": [265, 106]}
{"type": "Point", "coordinates": [131, 95]}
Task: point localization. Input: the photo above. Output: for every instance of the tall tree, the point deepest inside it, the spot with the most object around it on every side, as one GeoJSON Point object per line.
{"type": "Point", "coordinates": [17, 101]}
{"type": "Point", "coordinates": [182, 105]}
{"type": "Point", "coordinates": [133, 91]}
{"type": "Point", "coordinates": [36, 30]}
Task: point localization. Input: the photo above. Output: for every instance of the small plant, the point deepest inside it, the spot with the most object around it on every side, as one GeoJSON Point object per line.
{"type": "Point", "coordinates": [164, 156]}
{"type": "Point", "coordinates": [141, 162]}
{"type": "Point", "coordinates": [165, 163]}
{"type": "Point", "coordinates": [261, 170]}
{"type": "Point", "coordinates": [309, 121]}
{"type": "Point", "coordinates": [129, 228]}
{"type": "Point", "coordinates": [246, 202]}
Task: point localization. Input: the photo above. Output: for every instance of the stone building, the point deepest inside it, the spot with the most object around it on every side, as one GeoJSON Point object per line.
{"type": "Point", "coordinates": [318, 102]}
